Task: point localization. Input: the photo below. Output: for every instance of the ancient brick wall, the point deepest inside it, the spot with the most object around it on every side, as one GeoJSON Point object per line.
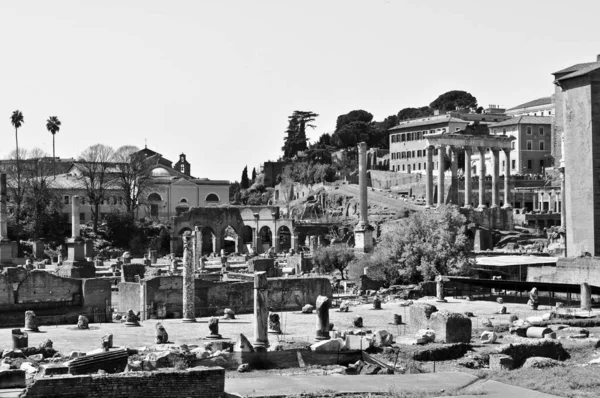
{"type": "Point", "coordinates": [42, 286]}
{"type": "Point", "coordinates": [195, 382]}
{"type": "Point", "coordinates": [166, 291]}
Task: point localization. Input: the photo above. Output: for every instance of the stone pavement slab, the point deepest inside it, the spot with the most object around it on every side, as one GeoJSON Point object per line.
{"type": "Point", "coordinates": [496, 389]}
{"type": "Point", "coordinates": [276, 385]}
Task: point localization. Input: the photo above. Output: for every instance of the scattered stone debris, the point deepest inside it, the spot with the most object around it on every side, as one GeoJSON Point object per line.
{"type": "Point", "coordinates": [488, 337]}
{"type": "Point", "coordinates": [83, 322]}
{"type": "Point", "coordinates": [308, 309]}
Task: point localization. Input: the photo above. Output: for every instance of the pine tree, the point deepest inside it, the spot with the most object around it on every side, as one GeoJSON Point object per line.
{"type": "Point", "coordinates": [295, 139]}
{"type": "Point", "coordinates": [245, 183]}
{"type": "Point", "coordinates": [253, 175]}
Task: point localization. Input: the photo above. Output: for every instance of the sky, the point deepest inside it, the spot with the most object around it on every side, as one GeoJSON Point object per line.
{"type": "Point", "coordinates": [216, 80]}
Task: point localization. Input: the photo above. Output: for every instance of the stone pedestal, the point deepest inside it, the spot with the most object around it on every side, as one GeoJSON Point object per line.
{"type": "Point", "coordinates": [261, 311]}
{"type": "Point", "coordinates": [189, 288]}
{"type": "Point", "coordinates": [322, 307]}
{"type": "Point", "coordinates": [75, 250]}
{"type": "Point", "coordinates": [213, 326]}
{"type": "Point", "coordinates": [363, 239]}
{"type": "Point", "coordinates": [88, 249]}
{"type": "Point", "coordinates": [38, 250]}
{"type": "Point", "coordinates": [439, 290]}
{"type": "Point", "coordinates": [30, 322]}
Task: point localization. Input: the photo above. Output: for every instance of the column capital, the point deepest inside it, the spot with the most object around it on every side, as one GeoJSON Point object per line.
{"type": "Point", "coordinates": [507, 151]}
{"type": "Point", "coordinates": [467, 149]}
{"type": "Point", "coordinates": [481, 149]}
{"type": "Point", "coordinates": [495, 151]}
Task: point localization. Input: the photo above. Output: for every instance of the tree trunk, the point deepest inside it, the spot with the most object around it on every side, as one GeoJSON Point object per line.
{"type": "Point", "coordinates": [96, 216]}
{"type": "Point", "coordinates": [18, 209]}
{"type": "Point", "coordinates": [53, 157]}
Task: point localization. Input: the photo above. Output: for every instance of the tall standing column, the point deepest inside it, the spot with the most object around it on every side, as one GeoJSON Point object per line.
{"type": "Point", "coordinates": [261, 311]}
{"type": "Point", "coordinates": [3, 209]}
{"type": "Point", "coordinates": [362, 182]}
{"type": "Point", "coordinates": [189, 306]}
{"type": "Point", "coordinates": [481, 150]}
{"type": "Point", "coordinates": [75, 217]}
{"type": "Point", "coordinates": [468, 182]}
{"type": "Point", "coordinates": [507, 179]}
{"type": "Point", "coordinates": [454, 175]}
{"type": "Point", "coordinates": [441, 160]}
{"type": "Point", "coordinates": [197, 246]}
{"type": "Point", "coordinates": [363, 238]}
{"type": "Point", "coordinates": [429, 186]}
{"type": "Point", "coordinates": [495, 177]}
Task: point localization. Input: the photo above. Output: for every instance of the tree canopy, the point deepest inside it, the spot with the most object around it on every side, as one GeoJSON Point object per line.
{"type": "Point", "coordinates": [295, 139]}
{"type": "Point", "coordinates": [422, 246]}
{"type": "Point", "coordinates": [245, 182]}
{"type": "Point", "coordinates": [412, 113]}
{"type": "Point", "coordinates": [353, 116]}
{"type": "Point", "coordinates": [453, 100]}
{"type": "Point", "coordinates": [334, 257]}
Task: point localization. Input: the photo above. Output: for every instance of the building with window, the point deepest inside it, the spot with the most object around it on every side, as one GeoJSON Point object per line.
{"type": "Point", "coordinates": [531, 147]}
{"type": "Point", "coordinates": [407, 143]}
{"type": "Point", "coordinates": [538, 107]}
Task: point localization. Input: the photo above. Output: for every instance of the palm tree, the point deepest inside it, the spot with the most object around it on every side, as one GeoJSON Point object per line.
{"type": "Point", "coordinates": [17, 121]}
{"type": "Point", "coordinates": [53, 126]}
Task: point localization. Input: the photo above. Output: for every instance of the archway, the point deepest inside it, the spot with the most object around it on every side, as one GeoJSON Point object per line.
{"type": "Point", "coordinates": [209, 241]}
{"type": "Point", "coordinates": [266, 239]}
{"type": "Point", "coordinates": [285, 238]}
{"type": "Point", "coordinates": [247, 238]}
{"type": "Point", "coordinates": [230, 240]}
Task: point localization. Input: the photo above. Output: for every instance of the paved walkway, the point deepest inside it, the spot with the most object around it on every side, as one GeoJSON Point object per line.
{"type": "Point", "coordinates": [292, 385]}
{"type": "Point", "coordinates": [276, 386]}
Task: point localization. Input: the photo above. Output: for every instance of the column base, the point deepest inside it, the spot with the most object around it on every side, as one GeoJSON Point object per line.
{"type": "Point", "coordinates": [507, 207]}
{"type": "Point", "coordinates": [495, 206]}
{"type": "Point", "coordinates": [481, 207]}
{"type": "Point", "coordinates": [260, 345]}
{"type": "Point", "coordinates": [188, 320]}
{"type": "Point", "coordinates": [467, 207]}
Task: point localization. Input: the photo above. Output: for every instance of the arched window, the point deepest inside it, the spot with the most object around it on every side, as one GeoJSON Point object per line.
{"type": "Point", "coordinates": [183, 200]}
{"type": "Point", "coordinates": [154, 197]}
{"type": "Point", "coordinates": [211, 197]}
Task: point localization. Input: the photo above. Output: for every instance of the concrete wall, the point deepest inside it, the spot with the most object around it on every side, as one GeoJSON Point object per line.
{"type": "Point", "coordinates": [568, 270]}
{"type": "Point", "coordinates": [198, 382]}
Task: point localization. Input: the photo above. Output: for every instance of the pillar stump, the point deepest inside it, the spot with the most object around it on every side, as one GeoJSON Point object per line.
{"type": "Point", "coordinates": [261, 311]}
{"type": "Point", "coordinates": [586, 297]}
{"type": "Point", "coordinates": [322, 307]}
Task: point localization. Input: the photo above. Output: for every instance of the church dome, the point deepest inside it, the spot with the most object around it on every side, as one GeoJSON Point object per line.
{"type": "Point", "coordinates": [160, 172]}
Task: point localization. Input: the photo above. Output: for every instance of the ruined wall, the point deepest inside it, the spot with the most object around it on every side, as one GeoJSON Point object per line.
{"type": "Point", "coordinates": [96, 293]}
{"type": "Point", "coordinates": [129, 296]}
{"type": "Point", "coordinates": [198, 382]}
{"type": "Point", "coordinates": [130, 271]}
{"type": "Point", "coordinates": [212, 297]}
{"type": "Point", "coordinates": [574, 270]}
{"type": "Point", "coordinates": [7, 296]}
{"type": "Point", "coordinates": [42, 286]}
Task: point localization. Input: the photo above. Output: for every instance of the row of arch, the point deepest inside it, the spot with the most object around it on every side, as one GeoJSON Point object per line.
{"type": "Point", "coordinates": [231, 241]}
{"type": "Point", "coordinates": [155, 197]}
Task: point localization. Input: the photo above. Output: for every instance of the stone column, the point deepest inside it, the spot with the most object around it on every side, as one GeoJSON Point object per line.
{"type": "Point", "coordinates": [495, 177]}
{"type": "Point", "coordinates": [468, 182]}
{"type": "Point", "coordinates": [439, 289]}
{"type": "Point", "coordinates": [197, 248]}
{"type": "Point", "coordinates": [507, 179]}
{"type": "Point", "coordinates": [294, 239]}
{"type": "Point", "coordinates": [481, 150]}
{"type": "Point", "coordinates": [75, 217]}
{"type": "Point", "coordinates": [429, 179]}
{"type": "Point", "coordinates": [586, 297]}
{"type": "Point", "coordinates": [322, 307]}
{"type": "Point", "coordinates": [563, 210]}
{"type": "Point", "coordinates": [3, 209]}
{"type": "Point", "coordinates": [535, 200]}
{"type": "Point", "coordinates": [362, 182]}
{"type": "Point", "coordinates": [363, 238]}
{"type": "Point", "coordinates": [454, 174]}
{"type": "Point", "coordinates": [441, 158]}
{"type": "Point", "coordinates": [261, 311]}
{"type": "Point", "coordinates": [189, 306]}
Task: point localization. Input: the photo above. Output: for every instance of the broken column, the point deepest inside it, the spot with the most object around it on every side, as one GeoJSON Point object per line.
{"type": "Point", "coordinates": [5, 245]}
{"type": "Point", "coordinates": [322, 308]}
{"type": "Point", "coordinates": [189, 307]}
{"type": "Point", "coordinates": [197, 246]}
{"type": "Point", "coordinates": [439, 289]}
{"type": "Point", "coordinates": [75, 247]}
{"type": "Point", "coordinates": [261, 311]}
{"type": "Point", "coordinates": [30, 322]}
{"type": "Point", "coordinates": [363, 239]}
{"type": "Point", "coordinates": [213, 326]}
{"type": "Point", "coordinates": [586, 297]}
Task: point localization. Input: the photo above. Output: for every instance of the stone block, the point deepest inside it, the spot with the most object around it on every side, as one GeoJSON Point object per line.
{"type": "Point", "coordinates": [327, 345]}
{"type": "Point", "coordinates": [451, 327]}
{"type": "Point", "coordinates": [357, 342]}
{"type": "Point", "coordinates": [12, 379]}
{"type": "Point", "coordinates": [381, 338]}
{"type": "Point", "coordinates": [488, 337]}
{"type": "Point", "coordinates": [500, 362]}
{"type": "Point", "coordinates": [425, 335]}
{"type": "Point", "coordinates": [537, 332]}
{"type": "Point", "coordinates": [419, 315]}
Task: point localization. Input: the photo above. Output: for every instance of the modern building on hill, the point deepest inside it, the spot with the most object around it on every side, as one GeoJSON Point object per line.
{"type": "Point", "coordinates": [531, 148]}
{"type": "Point", "coordinates": [538, 107]}
{"type": "Point", "coordinates": [407, 143]}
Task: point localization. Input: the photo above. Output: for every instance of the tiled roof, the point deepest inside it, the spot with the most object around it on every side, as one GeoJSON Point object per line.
{"type": "Point", "coordinates": [524, 120]}
{"type": "Point", "coordinates": [535, 102]}
{"type": "Point", "coordinates": [578, 70]}
{"type": "Point", "coordinates": [425, 121]}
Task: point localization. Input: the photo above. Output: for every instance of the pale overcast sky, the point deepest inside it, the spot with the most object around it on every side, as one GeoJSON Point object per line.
{"type": "Point", "coordinates": [217, 79]}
